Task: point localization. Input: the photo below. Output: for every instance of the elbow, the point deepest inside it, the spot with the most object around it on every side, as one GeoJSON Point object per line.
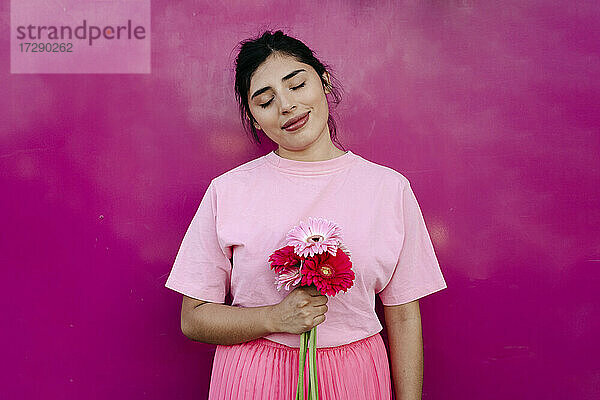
{"type": "Point", "coordinates": [184, 328]}
{"type": "Point", "coordinates": [188, 328]}
{"type": "Point", "coordinates": [192, 324]}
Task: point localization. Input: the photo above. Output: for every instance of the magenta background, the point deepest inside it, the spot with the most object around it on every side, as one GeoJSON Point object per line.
{"type": "Point", "coordinates": [103, 56]}
{"type": "Point", "coordinates": [491, 110]}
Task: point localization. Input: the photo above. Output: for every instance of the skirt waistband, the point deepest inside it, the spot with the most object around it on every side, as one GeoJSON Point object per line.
{"type": "Point", "coordinates": [359, 343]}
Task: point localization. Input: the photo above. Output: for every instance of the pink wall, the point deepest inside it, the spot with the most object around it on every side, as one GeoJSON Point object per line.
{"type": "Point", "coordinates": [492, 111]}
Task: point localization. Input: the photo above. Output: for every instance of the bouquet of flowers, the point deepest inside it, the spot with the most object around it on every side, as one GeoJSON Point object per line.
{"type": "Point", "coordinates": [313, 255]}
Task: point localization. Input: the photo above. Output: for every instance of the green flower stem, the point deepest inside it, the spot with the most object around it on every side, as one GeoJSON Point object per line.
{"type": "Point", "coordinates": [310, 367]}
{"type": "Point", "coordinates": [303, 344]}
{"type": "Point", "coordinates": [314, 385]}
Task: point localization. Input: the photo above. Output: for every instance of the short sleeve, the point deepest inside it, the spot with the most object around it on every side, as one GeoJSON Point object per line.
{"type": "Point", "coordinates": [417, 272]}
{"type": "Point", "coordinates": [202, 269]}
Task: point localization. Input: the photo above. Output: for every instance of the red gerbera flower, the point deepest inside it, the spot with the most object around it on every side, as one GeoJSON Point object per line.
{"type": "Point", "coordinates": [283, 259]}
{"type": "Point", "coordinates": [328, 273]}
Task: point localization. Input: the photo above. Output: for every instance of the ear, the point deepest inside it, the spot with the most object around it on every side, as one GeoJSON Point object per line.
{"type": "Point", "coordinates": [327, 82]}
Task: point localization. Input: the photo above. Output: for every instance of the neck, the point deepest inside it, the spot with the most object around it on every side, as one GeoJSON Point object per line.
{"type": "Point", "coordinates": [310, 154]}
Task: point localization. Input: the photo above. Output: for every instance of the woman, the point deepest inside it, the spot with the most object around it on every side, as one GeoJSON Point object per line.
{"type": "Point", "coordinates": [244, 216]}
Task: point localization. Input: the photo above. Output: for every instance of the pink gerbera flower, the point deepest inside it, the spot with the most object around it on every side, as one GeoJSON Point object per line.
{"type": "Point", "coordinates": [345, 250]}
{"type": "Point", "coordinates": [315, 237]}
{"type": "Point", "coordinates": [328, 273]}
{"type": "Point", "coordinates": [291, 277]}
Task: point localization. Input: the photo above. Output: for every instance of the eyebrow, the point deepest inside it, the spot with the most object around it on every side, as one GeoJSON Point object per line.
{"type": "Point", "coordinates": [285, 78]}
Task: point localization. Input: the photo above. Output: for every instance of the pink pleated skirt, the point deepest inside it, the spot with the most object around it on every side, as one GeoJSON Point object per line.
{"type": "Point", "coordinates": [266, 370]}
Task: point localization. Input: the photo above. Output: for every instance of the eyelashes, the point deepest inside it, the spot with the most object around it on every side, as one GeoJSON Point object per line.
{"type": "Point", "coordinates": [265, 105]}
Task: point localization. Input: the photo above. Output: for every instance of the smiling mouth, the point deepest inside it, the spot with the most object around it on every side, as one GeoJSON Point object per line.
{"type": "Point", "coordinates": [296, 122]}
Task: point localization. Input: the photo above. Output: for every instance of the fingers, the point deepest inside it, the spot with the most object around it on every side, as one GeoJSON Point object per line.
{"type": "Point", "coordinates": [316, 298]}
{"type": "Point", "coordinates": [321, 309]}
{"type": "Point", "coordinates": [318, 320]}
{"type": "Point", "coordinates": [320, 304]}
{"type": "Point", "coordinates": [312, 290]}
{"type": "Point", "coordinates": [318, 301]}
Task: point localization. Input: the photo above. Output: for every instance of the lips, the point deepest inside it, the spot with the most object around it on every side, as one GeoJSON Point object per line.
{"type": "Point", "coordinates": [292, 121]}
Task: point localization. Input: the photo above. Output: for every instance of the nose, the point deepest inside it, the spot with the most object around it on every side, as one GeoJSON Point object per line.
{"type": "Point", "coordinates": [286, 103]}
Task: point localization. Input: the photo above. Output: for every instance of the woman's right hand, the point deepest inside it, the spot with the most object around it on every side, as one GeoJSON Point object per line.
{"type": "Point", "coordinates": [301, 310]}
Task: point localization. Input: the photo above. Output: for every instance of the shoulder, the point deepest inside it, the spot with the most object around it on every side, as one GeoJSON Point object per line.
{"type": "Point", "coordinates": [240, 174]}
{"type": "Point", "coordinates": [382, 173]}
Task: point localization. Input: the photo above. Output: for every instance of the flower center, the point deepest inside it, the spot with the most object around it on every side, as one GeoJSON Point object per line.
{"type": "Point", "coordinates": [315, 239]}
{"type": "Point", "coordinates": [326, 270]}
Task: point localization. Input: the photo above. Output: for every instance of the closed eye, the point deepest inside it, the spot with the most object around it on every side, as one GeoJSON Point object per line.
{"type": "Point", "coordinates": [265, 105]}
{"type": "Point", "coordinates": [299, 86]}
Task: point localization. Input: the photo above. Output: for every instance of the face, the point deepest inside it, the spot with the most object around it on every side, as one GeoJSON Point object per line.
{"type": "Point", "coordinates": [282, 89]}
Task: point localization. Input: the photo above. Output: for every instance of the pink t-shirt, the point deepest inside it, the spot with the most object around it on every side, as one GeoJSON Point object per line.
{"type": "Point", "coordinates": [246, 212]}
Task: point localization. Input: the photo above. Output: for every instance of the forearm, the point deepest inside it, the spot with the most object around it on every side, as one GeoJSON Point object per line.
{"type": "Point", "coordinates": [406, 357]}
{"type": "Point", "coordinates": [227, 325]}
